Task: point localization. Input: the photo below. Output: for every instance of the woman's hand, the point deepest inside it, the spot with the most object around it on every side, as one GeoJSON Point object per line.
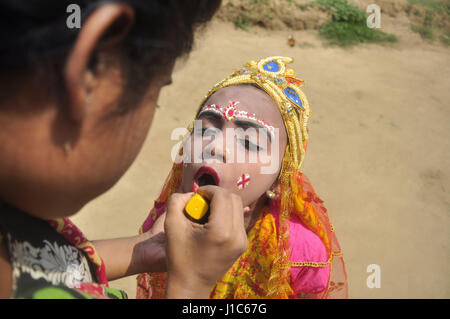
{"type": "Point", "coordinates": [133, 255]}
{"type": "Point", "coordinates": [154, 248]}
{"type": "Point", "coordinates": [198, 255]}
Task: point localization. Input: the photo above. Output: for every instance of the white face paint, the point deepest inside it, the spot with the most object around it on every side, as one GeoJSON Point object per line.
{"type": "Point", "coordinates": [242, 143]}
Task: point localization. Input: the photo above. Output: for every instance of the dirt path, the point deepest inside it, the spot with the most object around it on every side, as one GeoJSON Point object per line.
{"type": "Point", "coordinates": [378, 152]}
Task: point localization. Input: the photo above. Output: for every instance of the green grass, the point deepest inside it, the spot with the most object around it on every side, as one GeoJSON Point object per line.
{"type": "Point", "coordinates": [269, 16]}
{"type": "Point", "coordinates": [342, 10]}
{"type": "Point", "coordinates": [424, 31]}
{"type": "Point", "coordinates": [348, 25]}
{"type": "Point", "coordinates": [302, 7]}
{"type": "Point", "coordinates": [428, 20]}
{"type": "Point", "coordinates": [243, 22]}
{"type": "Point", "coordinates": [347, 34]}
{"type": "Point", "coordinates": [445, 39]}
{"type": "Point", "coordinates": [431, 28]}
{"type": "Point", "coordinates": [434, 5]}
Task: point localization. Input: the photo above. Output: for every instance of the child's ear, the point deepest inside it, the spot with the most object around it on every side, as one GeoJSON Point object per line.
{"type": "Point", "coordinates": [276, 186]}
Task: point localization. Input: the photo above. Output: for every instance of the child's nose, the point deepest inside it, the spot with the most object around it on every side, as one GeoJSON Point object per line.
{"type": "Point", "coordinates": [216, 150]}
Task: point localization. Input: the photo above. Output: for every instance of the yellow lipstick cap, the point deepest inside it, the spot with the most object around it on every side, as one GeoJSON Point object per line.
{"type": "Point", "coordinates": [197, 207]}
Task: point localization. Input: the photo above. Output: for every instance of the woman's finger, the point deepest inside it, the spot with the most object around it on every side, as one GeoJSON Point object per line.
{"type": "Point", "coordinates": [175, 207]}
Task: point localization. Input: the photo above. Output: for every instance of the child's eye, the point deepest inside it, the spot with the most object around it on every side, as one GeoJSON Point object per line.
{"type": "Point", "coordinates": [207, 131]}
{"type": "Point", "coordinates": [250, 146]}
{"type": "Point", "coordinates": [210, 131]}
{"type": "Point", "coordinates": [199, 132]}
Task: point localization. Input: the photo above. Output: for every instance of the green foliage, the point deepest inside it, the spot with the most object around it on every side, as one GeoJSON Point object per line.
{"type": "Point", "coordinates": [427, 22]}
{"type": "Point", "coordinates": [425, 32]}
{"type": "Point", "coordinates": [348, 25]}
{"type": "Point", "coordinates": [302, 7]}
{"type": "Point", "coordinates": [348, 34]}
{"type": "Point", "coordinates": [429, 27]}
{"type": "Point", "coordinates": [242, 22]}
{"type": "Point", "coordinates": [445, 39]}
{"type": "Point", "coordinates": [434, 5]}
{"type": "Point", "coordinates": [269, 16]}
{"type": "Point", "coordinates": [343, 11]}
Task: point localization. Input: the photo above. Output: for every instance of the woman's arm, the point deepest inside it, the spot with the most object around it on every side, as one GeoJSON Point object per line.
{"type": "Point", "coordinates": [134, 255]}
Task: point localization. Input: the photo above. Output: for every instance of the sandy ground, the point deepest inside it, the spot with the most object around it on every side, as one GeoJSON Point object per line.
{"type": "Point", "coordinates": [378, 152]}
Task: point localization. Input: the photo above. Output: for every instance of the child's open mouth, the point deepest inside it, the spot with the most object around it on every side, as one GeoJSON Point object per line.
{"type": "Point", "coordinates": [205, 176]}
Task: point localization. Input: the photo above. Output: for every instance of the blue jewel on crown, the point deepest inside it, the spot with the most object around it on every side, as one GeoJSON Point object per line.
{"type": "Point", "coordinates": [271, 66]}
{"type": "Point", "coordinates": [293, 96]}
{"type": "Point", "coordinates": [288, 108]}
{"type": "Point", "coordinates": [279, 81]}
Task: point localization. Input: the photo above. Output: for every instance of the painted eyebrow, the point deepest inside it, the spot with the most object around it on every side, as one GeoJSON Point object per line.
{"type": "Point", "coordinates": [210, 114]}
{"type": "Point", "coordinates": [244, 124]}
{"type": "Point", "coordinates": [237, 122]}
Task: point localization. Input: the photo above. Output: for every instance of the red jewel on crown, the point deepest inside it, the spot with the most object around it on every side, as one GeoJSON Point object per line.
{"type": "Point", "coordinates": [293, 80]}
{"type": "Point", "coordinates": [230, 111]}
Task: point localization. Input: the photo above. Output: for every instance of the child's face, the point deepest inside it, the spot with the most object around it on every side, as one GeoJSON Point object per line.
{"type": "Point", "coordinates": [224, 157]}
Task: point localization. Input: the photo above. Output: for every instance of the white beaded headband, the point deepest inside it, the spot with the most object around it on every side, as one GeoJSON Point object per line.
{"type": "Point", "coordinates": [230, 112]}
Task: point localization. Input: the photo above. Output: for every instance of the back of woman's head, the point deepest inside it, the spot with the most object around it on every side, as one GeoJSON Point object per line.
{"type": "Point", "coordinates": [78, 102]}
{"type": "Point", "coordinates": [35, 33]}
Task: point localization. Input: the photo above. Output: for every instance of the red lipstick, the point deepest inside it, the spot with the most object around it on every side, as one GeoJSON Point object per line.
{"type": "Point", "coordinates": [205, 175]}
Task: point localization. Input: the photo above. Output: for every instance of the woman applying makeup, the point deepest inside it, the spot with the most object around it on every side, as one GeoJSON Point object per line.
{"type": "Point", "coordinates": [75, 107]}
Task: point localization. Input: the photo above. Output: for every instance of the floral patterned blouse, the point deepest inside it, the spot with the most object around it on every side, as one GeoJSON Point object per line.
{"type": "Point", "coordinates": [51, 259]}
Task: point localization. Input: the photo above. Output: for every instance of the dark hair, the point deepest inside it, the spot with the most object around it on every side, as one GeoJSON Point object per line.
{"type": "Point", "coordinates": [34, 32]}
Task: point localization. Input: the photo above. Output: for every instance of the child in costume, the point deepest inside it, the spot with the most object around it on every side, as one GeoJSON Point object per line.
{"type": "Point", "coordinates": [293, 251]}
